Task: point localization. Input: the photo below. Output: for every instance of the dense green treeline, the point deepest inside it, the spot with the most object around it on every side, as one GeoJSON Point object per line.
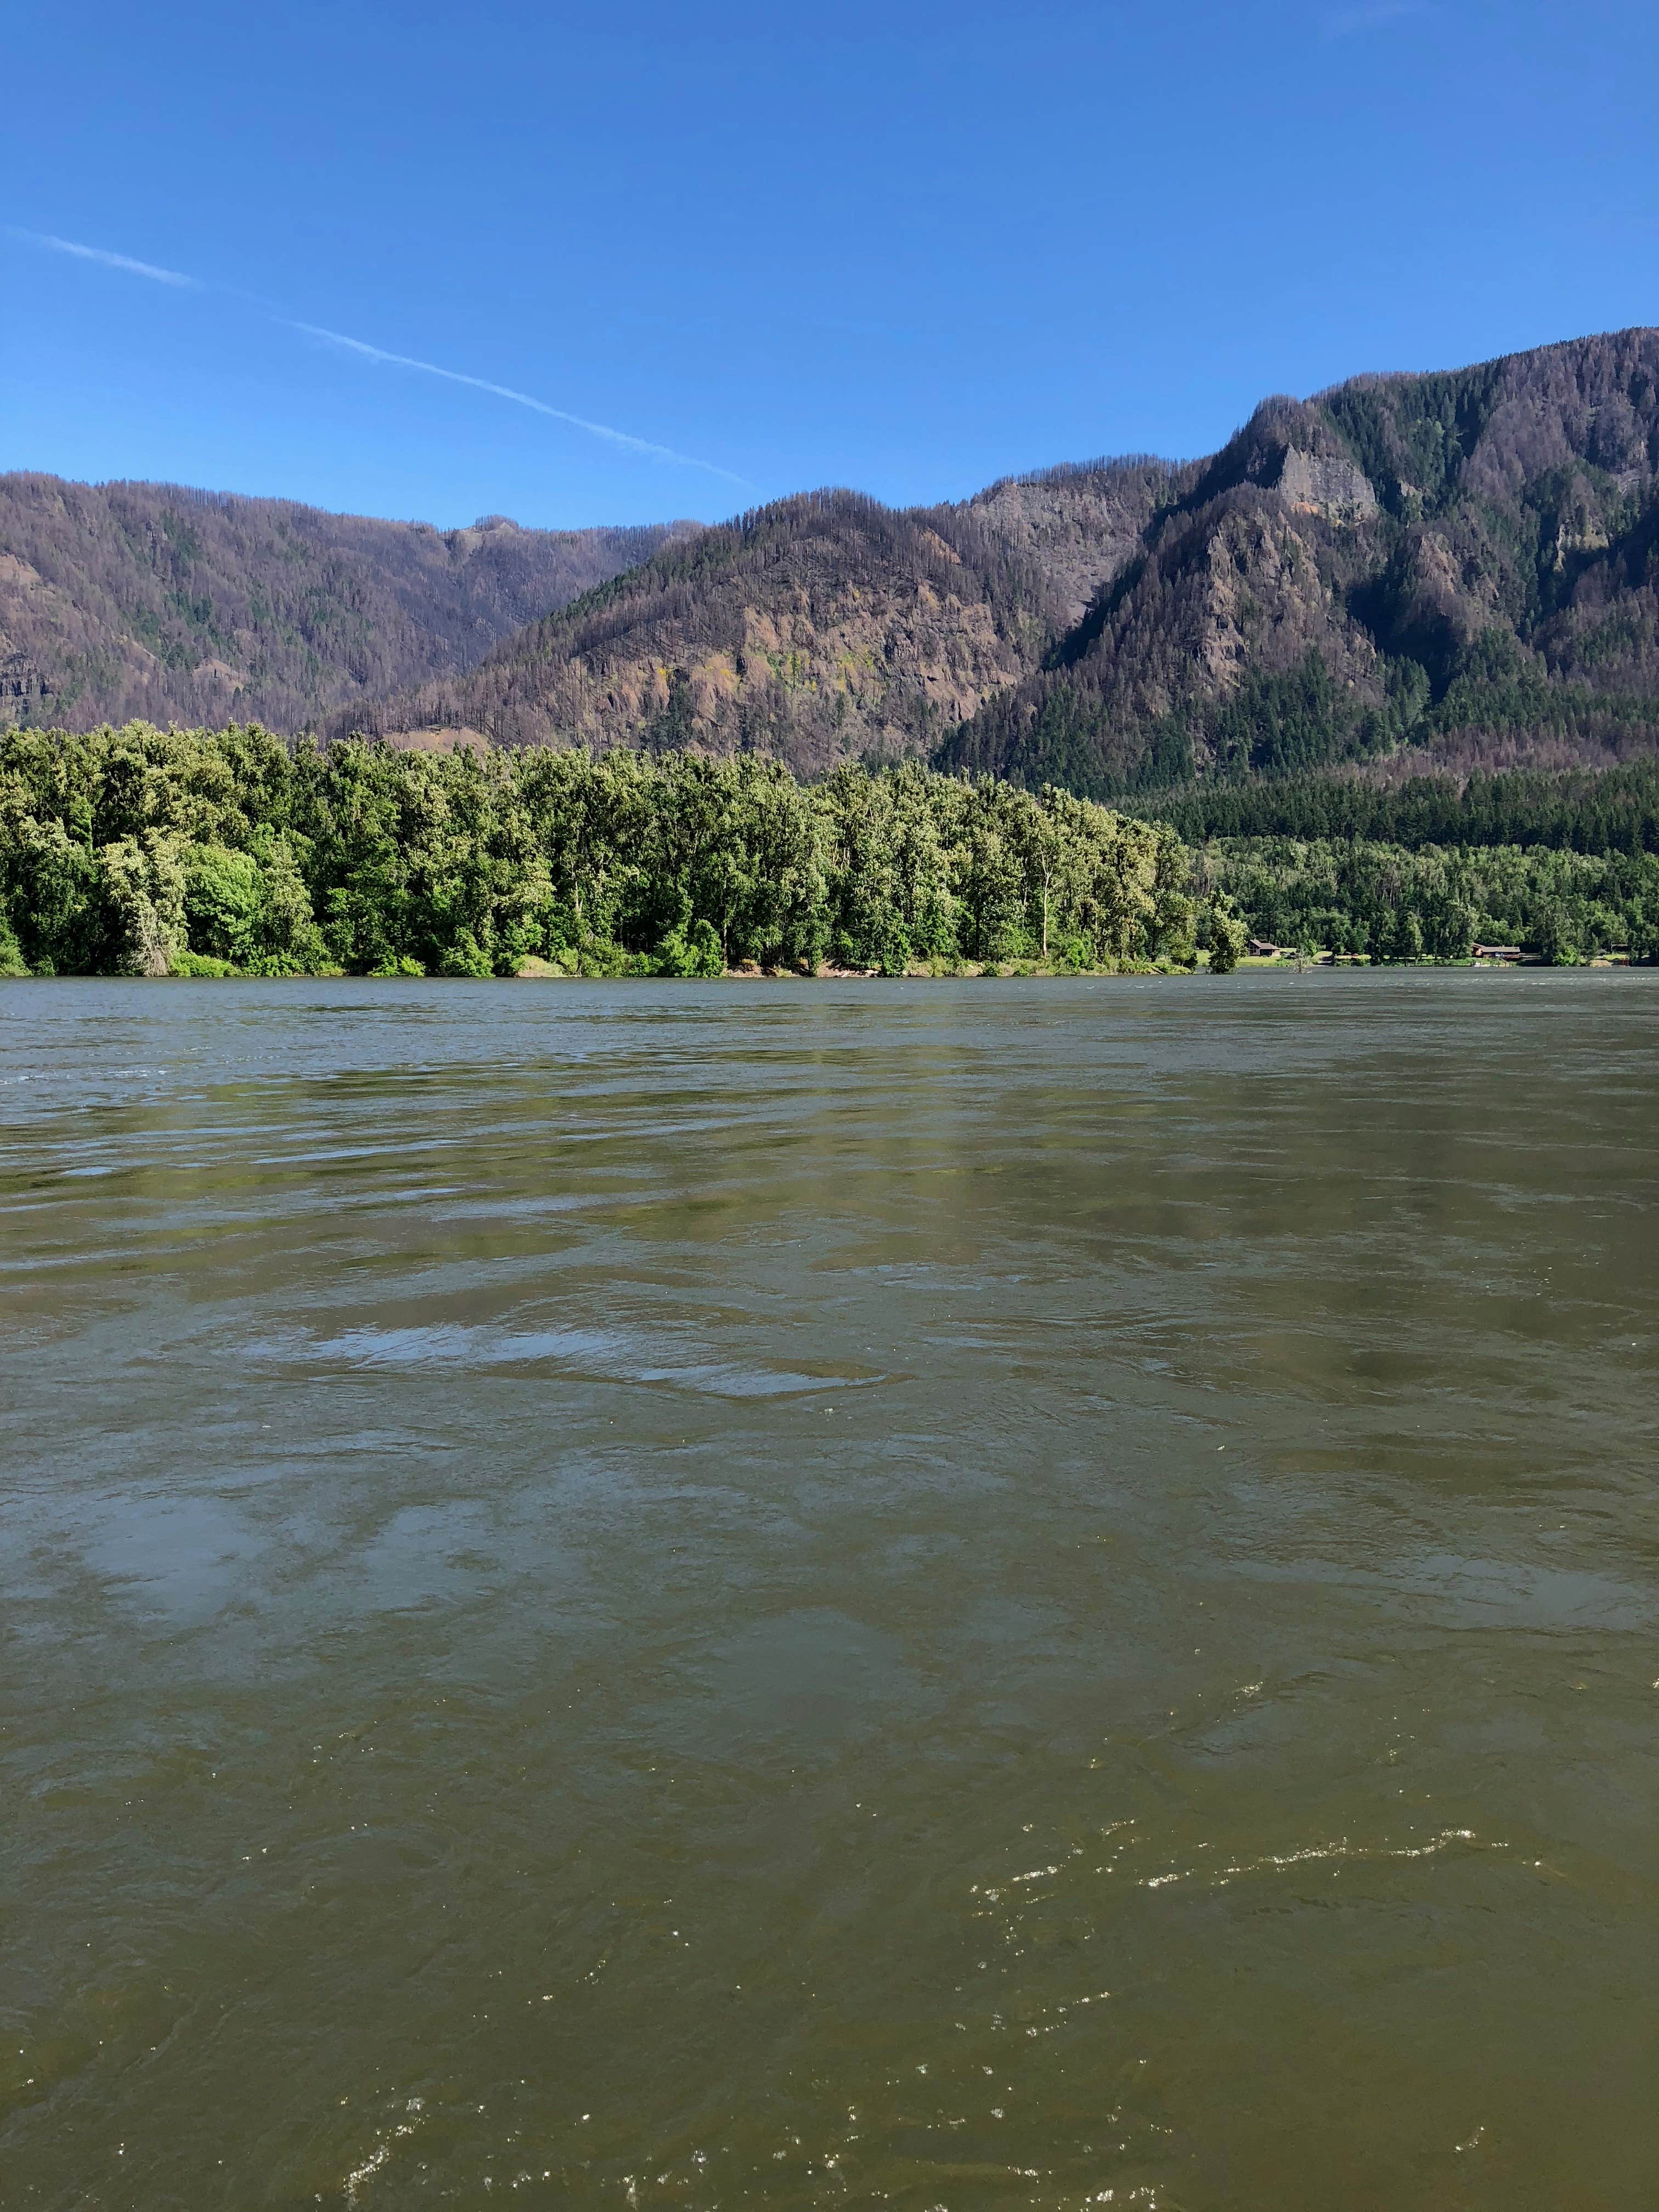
{"type": "Point", "coordinates": [1391, 903]}
{"type": "Point", "coordinates": [1289, 724]}
{"type": "Point", "coordinates": [1614, 810]}
{"type": "Point", "coordinates": [142, 851]}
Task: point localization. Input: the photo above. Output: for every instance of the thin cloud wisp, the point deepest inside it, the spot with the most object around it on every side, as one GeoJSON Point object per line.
{"type": "Point", "coordinates": [624, 439]}
{"type": "Point", "coordinates": [107, 260]}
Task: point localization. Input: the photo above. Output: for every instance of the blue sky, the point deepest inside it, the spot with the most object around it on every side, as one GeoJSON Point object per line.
{"type": "Point", "coordinates": [908, 247]}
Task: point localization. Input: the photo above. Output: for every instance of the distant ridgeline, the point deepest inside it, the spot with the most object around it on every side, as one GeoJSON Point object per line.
{"type": "Point", "coordinates": [1401, 561]}
{"type": "Point", "coordinates": [140, 852]}
{"type": "Point", "coordinates": [125, 599]}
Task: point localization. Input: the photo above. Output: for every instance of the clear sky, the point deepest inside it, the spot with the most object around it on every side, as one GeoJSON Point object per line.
{"type": "Point", "coordinates": [907, 246]}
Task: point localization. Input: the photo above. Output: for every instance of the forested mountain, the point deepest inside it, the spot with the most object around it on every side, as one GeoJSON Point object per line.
{"type": "Point", "coordinates": [822, 627]}
{"type": "Point", "coordinates": [1399, 560]}
{"type": "Point", "coordinates": [125, 599]}
{"type": "Point", "coordinates": [1405, 566]}
{"type": "Point", "coordinates": [1383, 676]}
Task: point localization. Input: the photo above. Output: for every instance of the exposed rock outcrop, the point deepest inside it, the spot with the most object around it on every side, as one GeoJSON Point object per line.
{"type": "Point", "coordinates": [1079, 525]}
{"type": "Point", "coordinates": [1313, 484]}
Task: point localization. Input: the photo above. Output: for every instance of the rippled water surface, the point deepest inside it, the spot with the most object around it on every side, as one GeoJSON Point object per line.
{"type": "Point", "coordinates": [952, 1596]}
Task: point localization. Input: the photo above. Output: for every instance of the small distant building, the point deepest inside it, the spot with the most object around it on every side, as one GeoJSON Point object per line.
{"type": "Point", "coordinates": [1497, 952]}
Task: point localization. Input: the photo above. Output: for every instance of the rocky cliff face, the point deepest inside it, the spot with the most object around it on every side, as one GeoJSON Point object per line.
{"type": "Point", "coordinates": [1311, 483]}
{"type": "Point", "coordinates": [24, 691]}
{"type": "Point", "coordinates": [1077, 526]}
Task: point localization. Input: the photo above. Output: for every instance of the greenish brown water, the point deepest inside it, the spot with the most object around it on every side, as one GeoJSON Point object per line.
{"type": "Point", "coordinates": [970, 1596]}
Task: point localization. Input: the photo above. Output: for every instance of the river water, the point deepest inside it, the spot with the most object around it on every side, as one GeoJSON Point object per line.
{"type": "Point", "coordinates": [944, 1595]}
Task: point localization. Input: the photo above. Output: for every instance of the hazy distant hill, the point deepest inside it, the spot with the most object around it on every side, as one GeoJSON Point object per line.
{"type": "Point", "coordinates": [126, 600]}
{"type": "Point", "coordinates": [1402, 557]}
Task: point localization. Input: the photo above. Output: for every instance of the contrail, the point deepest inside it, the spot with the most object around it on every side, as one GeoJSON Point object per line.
{"type": "Point", "coordinates": [110, 260]}
{"type": "Point", "coordinates": [625, 438]}
{"type": "Point", "coordinates": [522, 399]}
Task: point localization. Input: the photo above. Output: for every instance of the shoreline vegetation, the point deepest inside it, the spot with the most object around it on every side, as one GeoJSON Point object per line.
{"type": "Point", "coordinates": [144, 852]}
{"type": "Point", "coordinates": [136, 851]}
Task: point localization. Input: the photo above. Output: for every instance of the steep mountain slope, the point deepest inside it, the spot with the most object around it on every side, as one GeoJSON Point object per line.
{"type": "Point", "coordinates": [1078, 523]}
{"type": "Point", "coordinates": [822, 627]}
{"type": "Point", "coordinates": [128, 599]}
{"type": "Point", "coordinates": [1444, 562]}
{"type": "Point", "coordinates": [1397, 560]}
{"type": "Point", "coordinates": [1402, 558]}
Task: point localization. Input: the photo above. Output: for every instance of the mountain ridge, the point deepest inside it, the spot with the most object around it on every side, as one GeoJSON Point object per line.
{"type": "Point", "coordinates": [1401, 561]}
{"type": "Point", "coordinates": [125, 599]}
{"type": "Point", "coordinates": [1395, 560]}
